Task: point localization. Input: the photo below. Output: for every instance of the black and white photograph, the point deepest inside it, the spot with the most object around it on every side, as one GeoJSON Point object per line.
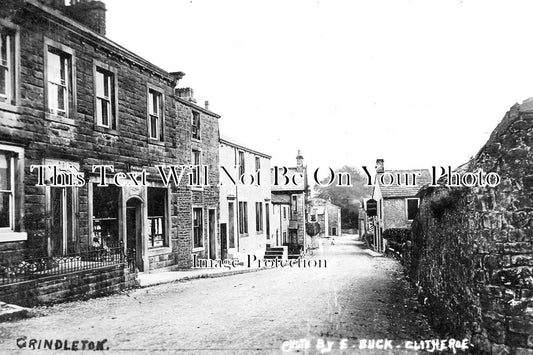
{"type": "Point", "coordinates": [266, 177]}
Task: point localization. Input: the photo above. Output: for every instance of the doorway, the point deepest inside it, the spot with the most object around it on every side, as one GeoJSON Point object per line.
{"type": "Point", "coordinates": [267, 222]}
{"type": "Point", "coordinates": [212, 235]}
{"type": "Point", "coordinates": [223, 241]}
{"type": "Point", "coordinates": [231, 225]}
{"type": "Point", "coordinates": [134, 233]}
{"type": "Point", "coordinates": [63, 210]}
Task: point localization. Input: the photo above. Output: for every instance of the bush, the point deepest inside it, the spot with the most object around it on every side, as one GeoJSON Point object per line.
{"type": "Point", "coordinates": [446, 200]}
{"type": "Point", "coordinates": [312, 228]}
{"type": "Point", "coordinates": [397, 235]}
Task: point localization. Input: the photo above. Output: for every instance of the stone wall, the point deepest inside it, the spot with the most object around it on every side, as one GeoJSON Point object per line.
{"type": "Point", "coordinates": [76, 285]}
{"type": "Point", "coordinates": [472, 248]}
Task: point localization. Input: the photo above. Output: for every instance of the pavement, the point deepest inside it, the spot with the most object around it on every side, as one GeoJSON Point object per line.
{"type": "Point", "coordinates": [172, 274]}
{"type": "Point", "coordinates": [168, 275]}
{"type": "Point", "coordinates": [343, 297]}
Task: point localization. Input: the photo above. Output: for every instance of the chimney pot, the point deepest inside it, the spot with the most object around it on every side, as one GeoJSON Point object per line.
{"type": "Point", "coordinates": [299, 160]}
{"type": "Point", "coordinates": [380, 166]}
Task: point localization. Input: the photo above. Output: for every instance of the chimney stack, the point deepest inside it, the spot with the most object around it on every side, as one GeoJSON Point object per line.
{"type": "Point", "coordinates": [186, 93]}
{"type": "Point", "coordinates": [380, 166]}
{"type": "Point", "coordinates": [90, 13]}
{"type": "Point", "coordinates": [54, 4]}
{"type": "Point", "coordinates": [206, 104]}
{"type": "Point", "coordinates": [299, 160]}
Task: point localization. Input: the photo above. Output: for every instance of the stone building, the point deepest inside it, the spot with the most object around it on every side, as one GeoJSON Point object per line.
{"type": "Point", "coordinates": [245, 204]}
{"type": "Point", "coordinates": [471, 253]}
{"type": "Point", "coordinates": [395, 194]}
{"type": "Point", "coordinates": [290, 199]}
{"type": "Point", "coordinates": [200, 205]}
{"type": "Point", "coordinates": [327, 215]}
{"type": "Point", "coordinates": [71, 98]}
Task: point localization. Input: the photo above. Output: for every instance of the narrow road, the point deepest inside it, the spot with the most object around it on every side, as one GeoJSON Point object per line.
{"type": "Point", "coordinates": [355, 297]}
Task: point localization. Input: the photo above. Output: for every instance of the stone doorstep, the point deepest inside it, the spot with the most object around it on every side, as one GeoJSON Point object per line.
{"type": "Point", "coordinates": [9, 312]}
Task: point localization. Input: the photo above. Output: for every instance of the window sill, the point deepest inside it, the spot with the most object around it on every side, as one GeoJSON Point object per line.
{"type": "Point", "coordinates": [197, 188]}
{"type": "Point", "coordinates": [197, 140]}
{"type": "Point", "coordinates": [242, 235]}
{"type": "Point", "coordinates": [13, 236]}
{"type": "Point", "coordinates": [198, 249]}
{"type": "Point", "coordinates": [159, 251]}
{"type": "Point", "coordinates": [59, 119]}
{"type": "Point", "coordinates": [10, 108]}
{"type": "Point", "coordinates": [103, 129]}
{"type": "Point", "coordinates": [156, 142]}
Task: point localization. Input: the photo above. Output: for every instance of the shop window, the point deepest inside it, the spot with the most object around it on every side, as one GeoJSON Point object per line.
{"type": "Point", "coordinates": [105, 214]}
{"type": "Point", "coordinates": [156, 228]}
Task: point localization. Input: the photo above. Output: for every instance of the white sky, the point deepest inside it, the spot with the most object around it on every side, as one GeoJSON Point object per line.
{"type": "Point", "coordinates": [417, 83]}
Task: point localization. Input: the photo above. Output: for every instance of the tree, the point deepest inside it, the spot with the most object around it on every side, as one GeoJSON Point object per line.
{"type": "Point", "coordinates": [346, 197]}
{"type": "Point", "coordinates": [312, 228]}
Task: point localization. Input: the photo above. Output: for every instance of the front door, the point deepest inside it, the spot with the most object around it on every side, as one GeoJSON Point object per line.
{"type": "Point", "coordinates": [267, 221]}
{"type": "Point", "coordinates": [212, 235]}
{"type": "Point", "coordinates": [63, 231]}
{"type": "Point", "coordinates": [134, 232]}
{"type": "Point", "coordinates": [231, 225]}
{"type": "Point", "coordinates": [223, 241]}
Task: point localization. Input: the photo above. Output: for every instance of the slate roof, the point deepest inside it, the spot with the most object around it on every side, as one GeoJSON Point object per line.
{"type": "Point", "coordinates": [280, 198]}
{"type": "Point", "coordinates": [232, 142]}
{"type": "Point", "coordinates": [290, 186]}
{"type": "Point", "coordinates": [402, 190]}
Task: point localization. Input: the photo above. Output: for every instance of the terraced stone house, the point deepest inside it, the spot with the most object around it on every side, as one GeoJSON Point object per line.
{"type": "Point", "coordinates": [73, 99]}
{"type": "Point", "coordinates": [290, 204]}
{"type": "Point", "coordinates": [397, 201]}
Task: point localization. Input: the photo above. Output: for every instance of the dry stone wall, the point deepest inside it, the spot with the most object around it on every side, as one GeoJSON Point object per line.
{"type": "Point", "coordinates": [471, 253]}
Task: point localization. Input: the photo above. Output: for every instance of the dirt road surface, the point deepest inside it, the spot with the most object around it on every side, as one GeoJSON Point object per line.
{"type": "Point", "coordinates": [355, 298]}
